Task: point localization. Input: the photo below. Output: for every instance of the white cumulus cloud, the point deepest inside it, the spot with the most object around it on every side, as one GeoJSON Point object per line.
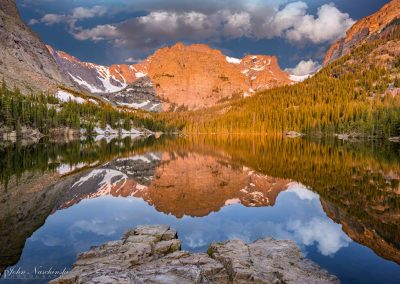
{"type": "Point", "coordinates": [329, 24]}
{"type": "Point", "coordinates": [304, 68]}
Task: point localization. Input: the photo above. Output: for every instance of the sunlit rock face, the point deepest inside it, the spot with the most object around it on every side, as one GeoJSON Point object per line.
{"type": "Point", "coordinates": [178, 77]}
{"type": "Point", "coordinates": [365, 29]}
{"type": "Point", "coordinates": [190, 184]}
{"type": "Point", "coordinates": [263, 72]}
{"type": "Point", "coordinates": [194, 76]}
{"type": "Point", "coordinates": [197, 76]}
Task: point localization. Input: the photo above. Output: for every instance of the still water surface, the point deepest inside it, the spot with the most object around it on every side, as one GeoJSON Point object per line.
{"type": "Point", "coordinates": [340, 202]}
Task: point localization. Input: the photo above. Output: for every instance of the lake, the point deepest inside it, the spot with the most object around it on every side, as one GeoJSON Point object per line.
{"type": "Point", "coordinates": [339, 201]}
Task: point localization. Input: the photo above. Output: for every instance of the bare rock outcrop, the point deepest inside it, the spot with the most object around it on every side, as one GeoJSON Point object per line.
{"type": "Point", "coordinates": [24, 59]}
{"type": "Point", "coordinates": [151, 254]}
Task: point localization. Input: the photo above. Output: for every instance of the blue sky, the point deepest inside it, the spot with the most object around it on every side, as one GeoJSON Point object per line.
{"type": "Point", "coordinates": [121, 31]}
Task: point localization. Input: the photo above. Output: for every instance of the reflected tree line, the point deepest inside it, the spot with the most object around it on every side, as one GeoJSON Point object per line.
{"type": "Point", "coordinates": [17, 159]}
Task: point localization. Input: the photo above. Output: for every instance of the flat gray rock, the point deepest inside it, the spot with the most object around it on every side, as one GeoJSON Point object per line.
{"type": "Point", "coordinates": [151, 254]}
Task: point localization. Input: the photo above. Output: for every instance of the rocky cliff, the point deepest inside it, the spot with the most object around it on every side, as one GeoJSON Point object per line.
{"type": "Point", "coordinates": [152, 254]}
{"type": "Point", "coordinates": [365, 29]}
{"type": "Point", "coordinates": [24, 60]}
{"type": "Point", "coordinates": [194, 76]}
{"type": "Point", "coordinates": [184, 77]}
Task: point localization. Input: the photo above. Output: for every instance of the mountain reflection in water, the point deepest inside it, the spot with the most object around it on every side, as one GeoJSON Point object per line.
{"type": "Point", "coordinates": [327, 196]}
{"type": "Point", "coordinates": [178, 183]}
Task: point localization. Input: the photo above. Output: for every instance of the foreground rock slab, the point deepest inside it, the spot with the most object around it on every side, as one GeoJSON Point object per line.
{"type": "Point", "coordinates": [152, 254]}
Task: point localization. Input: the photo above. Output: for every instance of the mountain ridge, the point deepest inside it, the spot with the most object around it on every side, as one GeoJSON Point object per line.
{"type": "Point", "coordinates": [24, 59]}
{"type": "Point", "coordinates": [363, 30]}
{"type": "Point", "coordinates": [191, 76]}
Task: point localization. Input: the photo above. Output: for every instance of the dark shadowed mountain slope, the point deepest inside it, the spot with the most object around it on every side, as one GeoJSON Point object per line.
{"type": "Point", "coordinates": [24, 60]}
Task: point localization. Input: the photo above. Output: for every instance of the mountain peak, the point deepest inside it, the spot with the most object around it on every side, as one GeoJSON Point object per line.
{"type": "Point", "coordinates": [195, 47]}
{"type": "Point", "coordinates": [191, 76]}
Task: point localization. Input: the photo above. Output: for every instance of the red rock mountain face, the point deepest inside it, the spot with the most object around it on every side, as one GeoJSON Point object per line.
{"type": "Point", "coordinates": [365, 29]}
{"type": "Point", "coordinates": [197, 76]}
{"type": "Point", "coordinates": [193, 76]}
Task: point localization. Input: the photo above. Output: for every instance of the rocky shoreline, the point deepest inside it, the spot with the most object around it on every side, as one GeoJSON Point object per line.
{"type": "Point", "coordinates": [152, 254]}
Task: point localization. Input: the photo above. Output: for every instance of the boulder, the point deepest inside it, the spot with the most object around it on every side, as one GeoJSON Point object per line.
{"type": "Point", "coordinates": [151, 254]}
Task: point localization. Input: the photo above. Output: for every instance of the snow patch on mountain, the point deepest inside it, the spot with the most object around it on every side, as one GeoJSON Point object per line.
{"type": "Point", "coordinates": [233, 60]}
{"type": "Point", "coordinates": [85, 84]}
{"type": "Point", "coordinates": [134, 105]}
{"type": "Point", "coordinates": [140, 74]}
{"type": "Point", "coordinates": [65, 97]}
{"type": "Point", "coordinates": [232, 201]}
{"type": "Point", "coordinates": [106, 79]}
{"type": "Point", "coordinates": [147, 105]}
{"type": "Point", "coordinates": [93, 101]}
{"type": "Point", "coordinates": [136, 158]}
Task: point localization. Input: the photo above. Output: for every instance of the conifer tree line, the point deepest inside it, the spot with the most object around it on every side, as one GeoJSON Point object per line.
{"type": "Point", "coordinates": [44, 112]}
{"type": "Point", "coordinates": [351, 95]}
